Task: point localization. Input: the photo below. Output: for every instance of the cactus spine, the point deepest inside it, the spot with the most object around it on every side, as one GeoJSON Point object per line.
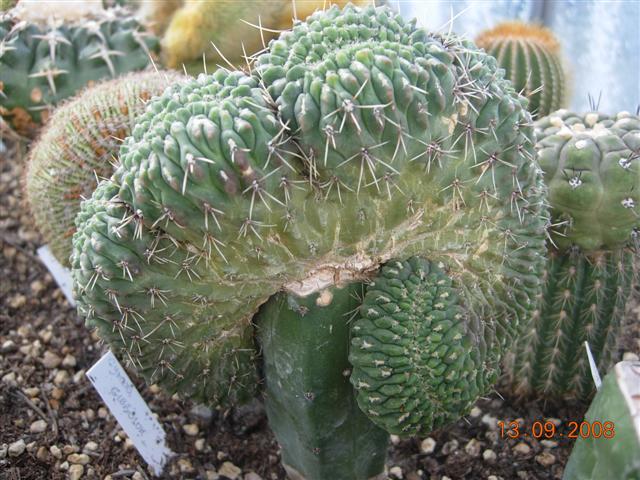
{"type": "Point", "coordinates": [43, 64]}
{"type": "Point", "coordinates": [591, 169]}
{"type": "Point", "coordinates": [79, 146]}
{"type": "Point", "coordinates": [530, 55]}
{"type": "Point", "coordinates": [612, 451]}
{"type": "Point", "coordinates": [356, 139]}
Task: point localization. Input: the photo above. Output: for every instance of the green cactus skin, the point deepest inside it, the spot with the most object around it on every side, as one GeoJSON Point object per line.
{"type": "Point", "coordinates": [590, 163]}
{"type": "Point", "coordinates": [591, 169]}
{"type": "Point", "coordinates": [583, 299]}
{"type": "Point", "coordinates": [40, 65]}
{"type": "Point", "coordinates": [356, 139]}
{"type": "Point", "coordinates": [310, 403]}
{"type": "Point", "coordinates": [420, 360]}
{"type": "Point", "coordinates": [617, 401]}
{"type": "Point", "coordinates": [7, 4]}
{"type": "Point", "coordinates": [530, 55]}
{"type": "Point", "coordinates": [78, 146]}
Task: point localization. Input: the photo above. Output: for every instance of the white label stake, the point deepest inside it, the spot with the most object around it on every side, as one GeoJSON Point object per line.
{"type": "Point", "coordinates": [592, 365]}
{"type": "Point", "coordinates": [133, 414]}
{"type": "Point", "coordinates": [61, 275]}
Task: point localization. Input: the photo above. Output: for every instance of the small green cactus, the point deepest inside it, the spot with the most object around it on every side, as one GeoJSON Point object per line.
{"type": "Point", "coordinates": [591, 169]}
{"type": "Point", "coordinates": [44, 63]}
{"type": "Point", "coordinates": [612, 447]}
{"type": "Point", "coordinates": [530, 55]}
{"type": "Point", "coordinates": [79, 146]}
{"type": "Point", "coordinates": [356, 139]}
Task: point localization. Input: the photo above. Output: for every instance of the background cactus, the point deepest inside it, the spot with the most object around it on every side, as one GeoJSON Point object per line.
{"type": "Point", "coordinates": [530, 55]}
{"type": "Point", "coordinates": [614, 451]}
{"type": "Point", "coordinates": [78, 147]}
{"type": "Point", "coordinates": [357, 138]}
{"type": "Point", "coordinates": [42, 64]}
{"type": "Point", "coordinates": [591, 168]}
{"type": "Point", "coordinates": [199, 23]}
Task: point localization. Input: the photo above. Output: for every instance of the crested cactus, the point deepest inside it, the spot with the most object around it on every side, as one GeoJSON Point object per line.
{"type": "Point", "coordinates": [530, 55]}
{"type": "Point", "coordinates": [45, 61]}
{"type": "Point", "coordinates": [591, 169]}
{"type": "Point", "coordinates": [199, 23]}
{"type": "Point", "coordinates": [612, 448]}
{"type": "Point", "coordinates": [77, 148]}
{"type": "Point", "coordinates": [356, 139]}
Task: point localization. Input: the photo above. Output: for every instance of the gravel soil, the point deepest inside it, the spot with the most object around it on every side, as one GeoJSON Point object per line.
{"type": "Point", "coordinates": [53, 425]}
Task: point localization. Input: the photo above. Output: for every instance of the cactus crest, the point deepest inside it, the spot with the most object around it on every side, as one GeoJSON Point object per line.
{"type": "Point", "coordinates": [355, 139]}
{"type": "Point", "coordinates": [79, 147]}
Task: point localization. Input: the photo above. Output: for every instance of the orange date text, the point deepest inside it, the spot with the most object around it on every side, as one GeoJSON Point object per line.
{"type": "Point", "coordinates": [548, 430]}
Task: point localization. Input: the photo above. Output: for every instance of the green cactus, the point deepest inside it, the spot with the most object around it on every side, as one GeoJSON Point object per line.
{"type": "Point", "coordinates": [78, 146]}
{"type": "Point", "coordinates": [613, 450]}
{"type": "Point", "coordinates": [356, 139]}
{"type": "Point", "coordinates": [530, 55]}
{"type": "Point", "coordinates": [591, 168]}
{"type": "Point", "coordinates": [7, 4]}
{"type": "Point", "coordinates": [42, 64]}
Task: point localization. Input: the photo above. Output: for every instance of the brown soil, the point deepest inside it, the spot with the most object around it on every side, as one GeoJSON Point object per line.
{"type": "Point", "coordinates": [45, 350]}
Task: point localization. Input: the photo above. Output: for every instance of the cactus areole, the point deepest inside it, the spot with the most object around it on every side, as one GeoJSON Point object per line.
{"type": "Point", "coordinates": [357, 140]}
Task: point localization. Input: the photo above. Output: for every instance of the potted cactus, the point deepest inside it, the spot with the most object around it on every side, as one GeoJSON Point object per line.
{"type": "Point", "coordinates": [356, 227]}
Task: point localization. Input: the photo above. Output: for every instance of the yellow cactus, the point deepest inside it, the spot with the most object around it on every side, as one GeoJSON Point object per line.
{"type": "Point", "coordinates": [225, 23]}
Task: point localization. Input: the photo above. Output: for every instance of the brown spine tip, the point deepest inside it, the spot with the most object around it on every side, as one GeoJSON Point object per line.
{"type": "Point", "coordinates": [521, 31]}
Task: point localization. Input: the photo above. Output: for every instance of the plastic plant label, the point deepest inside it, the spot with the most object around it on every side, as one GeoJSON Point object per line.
{"type": "Point", "coordinates": [129, 408]}
{"type": "Point", "coordinates": [594, 369]}
{"type": "Point", "coordinates": [61, 275]}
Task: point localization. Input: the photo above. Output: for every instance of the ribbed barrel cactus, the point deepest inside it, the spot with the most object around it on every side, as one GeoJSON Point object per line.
{"type": "Point", "coordinates": [530, 55]}
{"type": "Point", "coordinates": [609, 441]}
{"type": "Point", "coordinates": [43, 62]}
{"type": "Point", "coordinates": [79, 146]}
{"type": "Point", "coordinates": [253, 206]}
{"type": "Point", "coordinates": [591, 169]}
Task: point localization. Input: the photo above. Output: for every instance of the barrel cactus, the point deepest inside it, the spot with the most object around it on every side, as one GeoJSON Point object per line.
{"type": "Point", "coordinates": [78, 147]}
{"type": "Point", "coordinates": [611, 449]}
{"type": "Point", "coordinates": [591, 168]}
{"type": "Point", "coordinates": [237, 29]}
{"type": "Point", "coordinates": [530, 55]}
{"type": "Point", "coordinates": [45, 61]}
{"type": "Point", "coordinates": [362, 168]}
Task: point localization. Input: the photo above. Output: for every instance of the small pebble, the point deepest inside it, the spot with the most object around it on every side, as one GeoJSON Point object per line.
{"type": "Point", "coordinates": [428, 445]}
{"type": "Point", "coordinates": [199, 444]}
{"type": "Point", "coordinates": [3, 450]}
{"type": "Point", "coordinates": [490, 421]}
{"type": "Point", "coordinates": [450, 446]}
{"type": "Point", "coordinates": [79, 458]}
{"type": "Point", "coordinates": [556, 421]}
{"type": "Point", "coordinates": [31, 392]}
{"type": "Point", "coordinates": [17, 301]}
{"type": "Point", "coordinates": [252, 476]}
{"type": "Point", "coordinates": [185, 465]}
{"type": "Point", "coordinates": [475, 412]}
{"type": "Point", "coordinates": [472, 447]}
{"type": "Point", "coordinates": [522, 448]}
{"type": "Point", "coordinates": [69, 361]}
{"type": "Point", "coordinates": [191, 429]}
{"type": "Point", "coordinates": [75, 472]}
{"type": "Point", "coordinates": [55, 451]}
{"type": "Point", "coordinates": [42, 454]}
{"type": "Point", "coordinates": [546, 459]}
{"type": "Point", "coordinates": [549, 443]}
{"type": "Point", "coordinates": [91, 446]}
{"type": "Point", "coordinates": [17, 448]}
{"type": "Point", "coordinates": [38, 426]}
{"type": "Point", "coordinates": [396, 472]}
{"type": "Point", "coordinates": [395, 439]}
{"type": "Point", "coordinates": [137, 476]}
{"type": "Point", "coordinates": [211, 475]}
{"type": "Point", "coordinates": [489, 455]}
{"type": "Point", "coordinates": [228, 469]}
{"type": "Point", "coordinates": [51, 360]}
{"type": "Point", "coordinates": [630, 357]}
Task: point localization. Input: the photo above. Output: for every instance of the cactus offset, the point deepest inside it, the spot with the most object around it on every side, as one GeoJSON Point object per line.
{"type": "Point", "coordinates": [530, 55]}
{"type": "Point", "coordinates": [357, 138]}
{"type": "Point", "coordinates": [79, 146]}
{"type": "Point", "coordinates": [42, 64]}
{"type": "Point", "coordinates": [591, 169]}
{"type": "Point", "coordinates": [613, 450]}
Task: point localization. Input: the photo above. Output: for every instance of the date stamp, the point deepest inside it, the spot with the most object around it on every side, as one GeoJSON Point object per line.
{"type": "Point", "coordinates": [548, 430]}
